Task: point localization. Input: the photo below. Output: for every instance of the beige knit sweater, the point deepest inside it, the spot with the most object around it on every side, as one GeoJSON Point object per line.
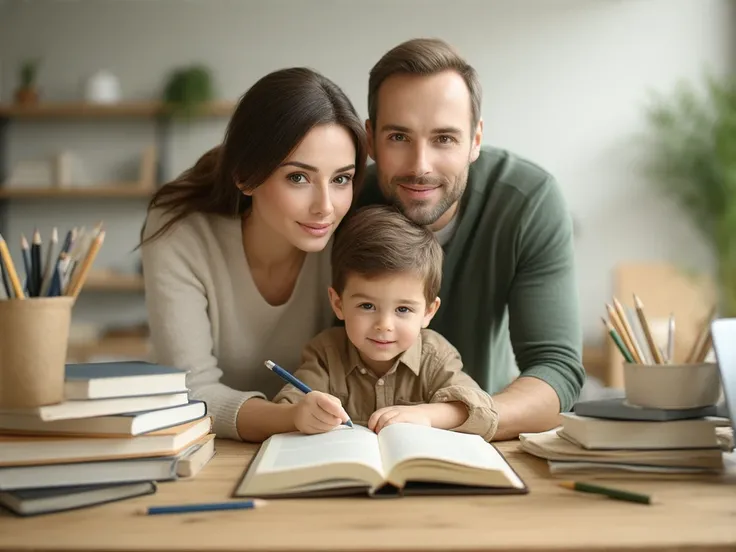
{"type": "Point", "coordinates": [207, 316]}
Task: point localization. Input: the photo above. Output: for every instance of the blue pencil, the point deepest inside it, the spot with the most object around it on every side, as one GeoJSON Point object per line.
{"type": "Point", "coordinates": [293, 380]}
{"type": "Point", "coordinates": [208, 507]}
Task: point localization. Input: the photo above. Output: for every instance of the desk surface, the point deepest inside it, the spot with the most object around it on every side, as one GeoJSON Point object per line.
{"type": "Point", "coordinates": [693, 515]}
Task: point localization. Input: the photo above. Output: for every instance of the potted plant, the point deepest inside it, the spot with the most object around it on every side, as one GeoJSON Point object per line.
{"type": "Point", "coordinates": [188, 89]}
{"type": "Point", "coordinates": [694, 161]}
{"type": "Point", "coordinates": [27, 91]}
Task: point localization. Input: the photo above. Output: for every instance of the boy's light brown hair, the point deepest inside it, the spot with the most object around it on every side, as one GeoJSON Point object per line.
{"type": "Point", "coordinates": [379, 240]}
{"type": "Point", "coordinates": [423, 57]}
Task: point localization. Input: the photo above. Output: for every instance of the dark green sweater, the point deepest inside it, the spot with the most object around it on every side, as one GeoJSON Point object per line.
{"type": "Point", "coordinates": [509, 277]}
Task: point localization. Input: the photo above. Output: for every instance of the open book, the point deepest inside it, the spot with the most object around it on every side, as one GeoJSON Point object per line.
{"type": "Point", "coordinates": [402, 459]}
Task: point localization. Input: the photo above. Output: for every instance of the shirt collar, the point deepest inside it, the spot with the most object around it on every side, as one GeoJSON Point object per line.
{"type": "Point", "coordinates": [411, 358]}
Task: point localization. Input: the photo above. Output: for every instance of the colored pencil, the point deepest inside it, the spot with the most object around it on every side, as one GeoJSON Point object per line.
{"type": "Point", "coordinates": [4, 274]}
{"type": "Point", "coordinates": [635, 348]}
{"type": "Point", "coordinates": [617, 494]}
{"type": "Point", "coordinates": [25, 253]}
{"type": "Point", "coordinates": [293, 380]}
{"type": "Point", "coordinates": [49, 267]}
{"type": "Point", "coordinates": [617, 340]}
{"type": "Point", "coordinates": [36, 269]}
{"type": "Point", "coordinates": [10, 268]}
{"type": "Point", "coordinates": [80, 275]}
{"type": "Point", "coordinates": [656, 355]}
{"type": "Point", "coordinates": [206, 507]}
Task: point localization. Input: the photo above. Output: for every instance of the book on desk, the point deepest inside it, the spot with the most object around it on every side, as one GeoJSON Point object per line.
{"type": "Point", "coordinates": [403, 459]}
{"type": "Point", "coordinates": [121, 428]}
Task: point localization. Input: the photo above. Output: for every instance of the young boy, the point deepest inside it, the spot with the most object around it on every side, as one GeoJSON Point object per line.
{"type": "Point", "coordinates": [384, 366]}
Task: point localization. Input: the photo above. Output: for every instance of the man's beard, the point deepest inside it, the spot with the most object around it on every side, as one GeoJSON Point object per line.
{"type": "Point", "coordinates": [421, 211]}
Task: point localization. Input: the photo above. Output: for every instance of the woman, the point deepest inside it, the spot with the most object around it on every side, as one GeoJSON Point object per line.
{"type": "Point", "coordinates": [235, 251]}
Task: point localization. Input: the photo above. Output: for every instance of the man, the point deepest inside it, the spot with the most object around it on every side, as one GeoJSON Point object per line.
{"type": "Point", "coordinates": [509, 286]}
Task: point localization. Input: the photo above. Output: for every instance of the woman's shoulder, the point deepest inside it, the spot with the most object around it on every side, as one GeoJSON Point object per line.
{"type": "Point", "coordinates": [164, 226]}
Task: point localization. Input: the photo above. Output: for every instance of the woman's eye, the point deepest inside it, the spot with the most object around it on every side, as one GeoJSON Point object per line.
{"type": "Point", "coordinates": [365, 306]}
{"type": "Point", "coordinates": [344, 179]}
{"type": "Point", "coordinates": [297, 178]}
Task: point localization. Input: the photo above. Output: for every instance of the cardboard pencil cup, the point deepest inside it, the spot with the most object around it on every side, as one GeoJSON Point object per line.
{"type": "Point", "coordinates": [34, 335]}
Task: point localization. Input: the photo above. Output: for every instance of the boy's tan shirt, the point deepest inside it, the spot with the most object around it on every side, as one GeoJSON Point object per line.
{"type": "Point", "coordinates": [429, 372]}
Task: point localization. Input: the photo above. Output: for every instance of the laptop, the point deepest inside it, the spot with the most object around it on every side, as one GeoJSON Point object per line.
{"type": "Point", "coordinates": [723, 332]}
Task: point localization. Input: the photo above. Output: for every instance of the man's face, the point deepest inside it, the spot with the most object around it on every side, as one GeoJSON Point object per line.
{"type": "Point", "coordinates": [423, 144]}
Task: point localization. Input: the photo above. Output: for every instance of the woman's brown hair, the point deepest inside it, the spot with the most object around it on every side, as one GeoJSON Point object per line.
{"type": "Point", "coordinates": [269, 122]}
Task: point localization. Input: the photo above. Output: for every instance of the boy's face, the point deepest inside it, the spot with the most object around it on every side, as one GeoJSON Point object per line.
{"type": "Point", "coordinates": [383, 316]}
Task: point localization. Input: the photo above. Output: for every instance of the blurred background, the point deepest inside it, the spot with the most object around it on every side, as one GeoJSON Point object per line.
{"type": "Point", "coordinates": [92, 120]}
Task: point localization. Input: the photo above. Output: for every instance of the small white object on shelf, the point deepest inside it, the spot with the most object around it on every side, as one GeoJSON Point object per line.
{"type": "Point", "coordinates": [102, 87]}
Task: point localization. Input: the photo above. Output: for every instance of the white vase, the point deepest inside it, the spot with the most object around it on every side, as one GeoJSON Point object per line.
{"type": "Point", "coordinates": [102, 87]}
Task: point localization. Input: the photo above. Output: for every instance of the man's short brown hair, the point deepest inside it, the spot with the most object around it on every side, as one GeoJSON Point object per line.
{"type": "Point", "coordinates": [379, 240]}
{"type": "Point", "coordinates": [423, 57]}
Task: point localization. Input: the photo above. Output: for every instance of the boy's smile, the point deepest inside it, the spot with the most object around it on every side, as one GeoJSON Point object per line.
{"type": "Point", "coordinates": [383, 315]}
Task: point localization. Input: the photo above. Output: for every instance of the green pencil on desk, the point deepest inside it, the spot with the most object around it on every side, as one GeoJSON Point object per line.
{"type": "Point", "coordinates": [616, 494]}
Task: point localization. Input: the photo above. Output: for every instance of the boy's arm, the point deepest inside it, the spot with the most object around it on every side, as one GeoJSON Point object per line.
{"type": "Point", "coordinates": [312, 371]}
{"type": "Point", "coordinates": [456, 401]}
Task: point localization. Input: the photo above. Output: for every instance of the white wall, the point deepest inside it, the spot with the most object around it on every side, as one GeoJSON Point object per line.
{"type": "Point", "coordinates": [565, 83]}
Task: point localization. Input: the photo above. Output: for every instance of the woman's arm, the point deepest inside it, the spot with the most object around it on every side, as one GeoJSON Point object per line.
{"type": "Point", "coordinates": [180, 328]}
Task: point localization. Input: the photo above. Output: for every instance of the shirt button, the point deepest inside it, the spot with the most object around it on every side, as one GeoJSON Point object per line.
{"type": "Point", "coordinates": [380, 382]}
{"type": "Point", "coordinates": [362, 370]}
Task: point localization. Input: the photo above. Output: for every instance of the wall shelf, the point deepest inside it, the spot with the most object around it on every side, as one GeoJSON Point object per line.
{"type": "Point", "coordinates": [125, 347]}
{"type": "Point", "coordinates": [132, 190]}
{"type": "Point", "coordinates": [113, 282]}
{"type": "Point", "coordinates": [60, 110]}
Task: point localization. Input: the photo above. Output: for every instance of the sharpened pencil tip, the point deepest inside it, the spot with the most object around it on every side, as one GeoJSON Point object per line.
{"type": "Point", "coordinates": [269, 364]}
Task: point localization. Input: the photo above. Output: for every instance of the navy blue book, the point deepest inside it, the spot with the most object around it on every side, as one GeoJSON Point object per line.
{"type": "Point", "coordinates": [105, 380]}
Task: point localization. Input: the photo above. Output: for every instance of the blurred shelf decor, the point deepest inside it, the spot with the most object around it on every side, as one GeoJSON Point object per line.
{"type": "Point", "coordinates": [60, 179]}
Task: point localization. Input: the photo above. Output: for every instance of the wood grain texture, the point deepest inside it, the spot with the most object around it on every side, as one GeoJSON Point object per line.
{"type": "Point", "coordinates": [693, 515]}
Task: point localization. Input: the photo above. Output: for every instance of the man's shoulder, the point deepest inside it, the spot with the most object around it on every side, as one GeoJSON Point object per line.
{"type": "Point", "coordinates": [502, 170]}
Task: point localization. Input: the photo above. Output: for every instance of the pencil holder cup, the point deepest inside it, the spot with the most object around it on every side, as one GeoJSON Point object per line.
{"type": "Point", "coordinates": [34, 334]}
{"type": "Point", "coordinates": [672, 386]}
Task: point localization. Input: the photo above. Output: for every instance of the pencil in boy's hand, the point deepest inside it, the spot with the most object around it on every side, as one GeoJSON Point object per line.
{"type": "Point", "coordinates": [293, 380]}
{"type": "Point", "coordinates": [607, 491]}
{"type": "Point", "coordinates": [617, 340]}
{"type": "Point", "coordinates": [4, 274]}
{"type": "Point", "coordinates": [10, 268]}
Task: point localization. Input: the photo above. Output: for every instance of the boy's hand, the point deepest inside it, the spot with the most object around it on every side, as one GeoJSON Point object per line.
{"type": "Point", "coordinates": [414, 414]}
{"type": "Point", "coordinates": [318, 412]}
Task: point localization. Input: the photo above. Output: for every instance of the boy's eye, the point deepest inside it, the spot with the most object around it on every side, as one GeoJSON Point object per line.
{"type": "Point", "coordinates": [365, 306]}
{"type": "Point", "coordinates": [403, 310]}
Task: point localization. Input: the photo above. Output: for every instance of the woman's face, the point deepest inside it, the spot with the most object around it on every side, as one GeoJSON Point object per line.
{"type": "Point", "coordinates": [308, 195]}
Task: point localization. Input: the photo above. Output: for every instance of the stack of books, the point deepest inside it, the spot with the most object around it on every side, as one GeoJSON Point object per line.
{"type": "Point", "coordinates": [123, 427]}
{"type": "Point", "coordinates": [610, 437]}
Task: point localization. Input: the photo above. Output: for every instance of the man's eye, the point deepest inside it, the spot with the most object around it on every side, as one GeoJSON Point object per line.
{"type": "Point", "coordinates": [444, 139]}
{"type": "Point", "coordinates": [397, 137]}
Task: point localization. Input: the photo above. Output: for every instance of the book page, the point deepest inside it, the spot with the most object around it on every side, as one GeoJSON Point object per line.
{"type": "Point", "coordinates": [401, 442]}
{"type": "Point", "coordinates": [290, 451]}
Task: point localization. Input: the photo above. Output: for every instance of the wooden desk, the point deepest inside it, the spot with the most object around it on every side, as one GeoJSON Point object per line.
{"type": "Point", "coordinates": [694, 515]}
